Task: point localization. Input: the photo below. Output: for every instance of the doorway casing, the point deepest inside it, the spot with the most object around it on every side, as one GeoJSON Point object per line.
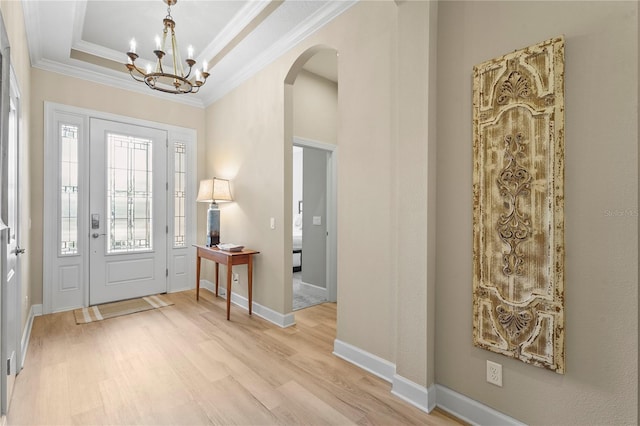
{"type": "Point", "coordinates": [181, 275]}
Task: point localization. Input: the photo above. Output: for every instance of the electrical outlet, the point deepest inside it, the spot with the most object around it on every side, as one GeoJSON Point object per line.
{"type": "Point", "coordinates": [494, 373]}
{"type": "Point", "coordinates": [235, 277]}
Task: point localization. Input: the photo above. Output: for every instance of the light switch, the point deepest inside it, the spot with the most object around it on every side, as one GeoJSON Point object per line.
{"type": "Point", "coordinates": [317, 220]}
{"type": "Point", "coordinates": [272, 223]}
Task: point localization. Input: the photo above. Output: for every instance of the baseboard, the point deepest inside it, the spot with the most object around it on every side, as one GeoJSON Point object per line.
{"type": "Point", "coordinates": [281, 320]}
{"type": "Point", "coordinates": [35, 311]}
{"type": "Point", "coordinates": [365, 360]}
{"type": "Point", "coordinates": [426, 399]}
{"type": "Point", "coordinates": [470, 410]}
{"type": "Point", "coordinates": [416, 395]}
{"type": "Point", "coordinates": [313, 290]}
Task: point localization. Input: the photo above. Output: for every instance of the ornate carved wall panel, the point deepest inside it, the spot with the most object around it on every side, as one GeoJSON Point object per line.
{"type": "Point", "coordinates": [518, 204]}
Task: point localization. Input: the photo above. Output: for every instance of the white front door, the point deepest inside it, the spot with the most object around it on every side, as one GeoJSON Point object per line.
{"type": "Point", "coordinates": [127, 207]}
{"type": "Point", "coordinates": [12, 290]}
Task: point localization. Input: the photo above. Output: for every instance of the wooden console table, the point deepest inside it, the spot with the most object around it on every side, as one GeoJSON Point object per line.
{"type": "Point", "coordinates": [229, 258]}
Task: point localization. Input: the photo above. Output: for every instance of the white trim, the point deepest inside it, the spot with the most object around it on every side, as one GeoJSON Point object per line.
{"type": "Point", "coordinates": [320, 18]}
{"type": "Point", "coordinates": [239, 22]}
{"type": "Point", "coordinates": [54, 111]}
{"type": "Point", "coordinates": [35, 311]}
{"type": "Point", "coordinates": [413, 393]}
{"type": "Point", "coordinates": [469, 410]}
{"type": "Point", "coordinates": [282, 321]}
{"type": "Point", "coordinates": [426, 399]}
{"type": "Point", "coordinates": [111, 78]}
{"type": "Point", "coordinates": [365, 360]}
{"type": "Point", "coordinates": [311, 143]}
{"type": "Point", "coordinates": [120, 80]}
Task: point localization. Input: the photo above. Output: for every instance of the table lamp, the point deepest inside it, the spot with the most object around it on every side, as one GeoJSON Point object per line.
{"type": "Point", "coordinates": [213, 191]}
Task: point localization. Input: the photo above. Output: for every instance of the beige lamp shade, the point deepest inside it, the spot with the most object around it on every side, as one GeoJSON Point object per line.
{"type": "Point", "coordinates": [214, 190]}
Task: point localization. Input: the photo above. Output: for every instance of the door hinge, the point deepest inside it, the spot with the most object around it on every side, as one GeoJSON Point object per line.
{"type": "Point", "coordinates": [167, 229]}
{"type": "Point", "coordinates": [166, 272]}
{"type": "Point", "coordinates": [167, 186]}
{"type": "Point", "coordinates": [8, 366]}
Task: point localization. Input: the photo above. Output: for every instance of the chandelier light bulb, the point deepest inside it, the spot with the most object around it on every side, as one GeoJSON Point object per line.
{"type": "Point", "coordinates": [158, 45]}
{"type": "Point", "coordinates": [132, 45]}
{"type": "Point", "coordinates": [205, 66]}
{"type": "Point", "coordinates": [190, 52]}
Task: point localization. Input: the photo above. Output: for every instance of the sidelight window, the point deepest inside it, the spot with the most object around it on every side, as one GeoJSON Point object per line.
{"type": "Point", "coordinates": [68, 190]}
{"type": "Point", "coordinates": [179, 194]}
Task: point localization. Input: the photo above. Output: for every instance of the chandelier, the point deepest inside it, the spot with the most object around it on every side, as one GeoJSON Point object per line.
{"type": "Point", "coordinates": [160, 78]}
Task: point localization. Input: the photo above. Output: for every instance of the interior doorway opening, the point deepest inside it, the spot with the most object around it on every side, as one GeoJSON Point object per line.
{"type": "Point", "coordinates": [312, 104]}
{"type": "Point", "coordinates": [314, 208]}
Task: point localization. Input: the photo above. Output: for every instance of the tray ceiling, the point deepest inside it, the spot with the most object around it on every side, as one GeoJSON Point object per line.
{"type": "Point", "coordinates": [88, 39]}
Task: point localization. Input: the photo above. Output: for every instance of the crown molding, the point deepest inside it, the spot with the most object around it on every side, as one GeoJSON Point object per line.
{"type": "Point", "coordinates": [209, 94]}
{"type": "Point", "coordinates": [114, 81]}
{"type": "Point", "coordinates": [233, 28]}
{"type": "Point", "coordinates": [320, 18]}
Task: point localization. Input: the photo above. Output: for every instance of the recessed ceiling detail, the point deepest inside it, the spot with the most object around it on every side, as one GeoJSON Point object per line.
{"type": "Point", "coordinates": [88, 39]}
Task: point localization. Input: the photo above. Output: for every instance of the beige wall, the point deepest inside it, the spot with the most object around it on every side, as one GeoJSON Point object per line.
{"type": "Point", "coordinates": [386, 184]}
{"type": "Point", "coordinates": [315, 101]}
{"type": "Point", "coordinates": [601, 177]}
{"type": "Point", "coordinates": [53, 87]}
{"type": "Point", "coordinates": [14, 22]}
{"type": "Point", "coordinates": [244, 144]}
{"type": "Point", "coordinates": [246, 140]}
{"type": "Point", "coordinates": [414, 202]}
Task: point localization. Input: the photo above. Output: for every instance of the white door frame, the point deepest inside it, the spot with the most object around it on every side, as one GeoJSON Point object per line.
{"type": "Point", "coordinates": [11, 348]}
{"type": "Point", "coordinates": [331, 215]}
{"type": "Point", "coordinates": [65, 286]}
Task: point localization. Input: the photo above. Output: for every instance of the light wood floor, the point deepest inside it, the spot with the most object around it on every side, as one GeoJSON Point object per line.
{"type": "Point", "coordinates": [186, 365]}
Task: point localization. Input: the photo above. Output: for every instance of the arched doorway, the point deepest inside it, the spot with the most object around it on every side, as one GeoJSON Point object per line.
{"type": "Point", "coordinates": [311, 101]}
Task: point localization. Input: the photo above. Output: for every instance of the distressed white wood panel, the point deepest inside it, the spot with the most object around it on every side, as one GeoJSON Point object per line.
{"type": "Point", "coordinates": [518, 205]}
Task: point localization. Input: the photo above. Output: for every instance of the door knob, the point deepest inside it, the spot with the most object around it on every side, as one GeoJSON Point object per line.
{"type": "Point", "coordinates": [19, 250]}
{"type": "Point", "coordinates": [96, 235]}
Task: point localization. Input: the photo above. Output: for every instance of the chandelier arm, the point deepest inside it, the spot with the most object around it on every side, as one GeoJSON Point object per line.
{"type": "Point", "coordinates": [176, 82]}
{"type": "Point", "coordinates": [135, 78]}
{"type": "Point", "coordinates": [133, 66]}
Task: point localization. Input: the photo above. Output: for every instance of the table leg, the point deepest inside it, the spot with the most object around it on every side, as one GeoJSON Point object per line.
{"type": "Point", "coordinates": [198, 259]}
{"type": "Point", "coordinates": [217, 278]}
{"type": "Point", "coordinates": [250, 282]}
{"type": "Point", "coordinates": [228, 288]}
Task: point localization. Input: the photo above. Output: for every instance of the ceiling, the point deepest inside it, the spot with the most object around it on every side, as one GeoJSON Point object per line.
{"type": "Point", "coordinates": [89, 39]}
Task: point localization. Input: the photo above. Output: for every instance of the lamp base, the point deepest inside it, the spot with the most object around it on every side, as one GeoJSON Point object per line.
{"type": "Point", "coordinates": [213, 239]}
{"type": "Point", "coordinates": [213, 225]}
